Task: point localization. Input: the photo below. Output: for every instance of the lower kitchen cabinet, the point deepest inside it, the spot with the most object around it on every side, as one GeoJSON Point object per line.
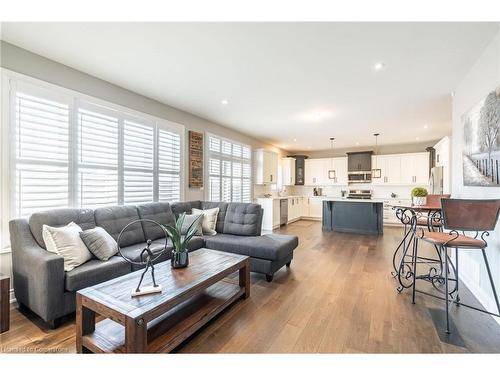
{"type": "Point", "coordinates": [389, 213]}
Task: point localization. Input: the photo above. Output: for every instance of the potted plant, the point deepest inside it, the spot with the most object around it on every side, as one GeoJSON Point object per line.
{"type": "Point", "coordinates": [418, 196]}
{"type": "Point", "coordinates": [180, 258]}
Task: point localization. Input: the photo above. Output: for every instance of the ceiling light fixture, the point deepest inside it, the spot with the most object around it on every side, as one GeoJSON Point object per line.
{"type": "Point", "coordinates": [379, 66]}
{"type": "Point", "coordinates": [426, 126]}
{"type": "Point", "coordinates": [376, 172]}
{"type": "Point", "coordinates": [224, 102]}
{"type": "Point", "coordinates": [295, 139]}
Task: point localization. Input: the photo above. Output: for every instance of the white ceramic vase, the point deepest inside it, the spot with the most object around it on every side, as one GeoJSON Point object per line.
{"type": "Point", "coordinates": [419, 201]}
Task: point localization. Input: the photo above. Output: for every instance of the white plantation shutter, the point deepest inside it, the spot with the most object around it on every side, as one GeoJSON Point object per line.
{"type": "Point", "coordinates": [66, 151]}
{"type": "Point", "coordinates": [229, 170]}
{"type": "Point", "coordinates": [138, 160]}
{"type": "Point", "coordinates": [169, 166]}
{"type": "Point", "coordinates": [41, 133]}
{"type": "Point", "coordinates": [97, 170]}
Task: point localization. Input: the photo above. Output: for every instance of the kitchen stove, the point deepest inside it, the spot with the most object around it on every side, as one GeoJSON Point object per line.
{"type": "Point", "coordinates": [359, 194]}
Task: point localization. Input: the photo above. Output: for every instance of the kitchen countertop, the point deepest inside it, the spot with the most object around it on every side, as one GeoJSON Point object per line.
{"type": "Point", "coordinates": [337, 199]}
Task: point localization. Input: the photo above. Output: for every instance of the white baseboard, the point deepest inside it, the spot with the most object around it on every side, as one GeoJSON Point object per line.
{"type": "Point", "coordinates": [480, 295]}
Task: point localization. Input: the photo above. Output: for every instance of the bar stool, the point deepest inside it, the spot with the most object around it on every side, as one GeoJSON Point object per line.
{"type": "Point", "coordinates": [432, 220]}
{"type": "Point", "coordinates": [465, 215]}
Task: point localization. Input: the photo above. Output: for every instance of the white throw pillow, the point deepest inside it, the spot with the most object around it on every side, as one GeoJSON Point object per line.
{"type": "Point", "coordinates": [209, 219]}
{"type": "Point", "coordinates": [66, 242]}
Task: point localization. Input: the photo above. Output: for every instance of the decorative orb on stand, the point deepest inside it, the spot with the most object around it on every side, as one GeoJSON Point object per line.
{"type": "Point", "coordinates": [146, 259]}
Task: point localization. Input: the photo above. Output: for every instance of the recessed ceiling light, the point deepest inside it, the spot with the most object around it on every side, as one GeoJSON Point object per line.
{"type": "Point", "coordinates": [224, 102]}
{"type": "Point", "coordinates": [378, 66]}
{"type": "Point", "coordinates": [295, 139]}
{"type": "Point", "coordinates": [357, 143]}
{"type": "Point", "coordinates": [426, 126]}
{"type": "Point", "coordinates": [315, 115]}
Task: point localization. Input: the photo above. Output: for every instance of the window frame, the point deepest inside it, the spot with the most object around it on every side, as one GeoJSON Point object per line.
{"type": "Point", "coordinates": [230, 158]}
{"type": "Point", "coordinates": [11, 81]}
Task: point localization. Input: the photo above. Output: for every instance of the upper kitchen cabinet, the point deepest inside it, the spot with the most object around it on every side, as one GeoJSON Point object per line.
{"type": "Point", "coordinates": [288, 167]}
{"type": "Point", "coordinates": [415, 168]}
{"type": "Point", "coordinates": [402, 169]}
{"type": "Point", "coordinates": [265, 167]}
{"type": "Point", "coordinates": [359, 161]}
{"type": "Point", "coordinates": [314, 172]}
{"type": "Point", "coordinates": [336, 171]}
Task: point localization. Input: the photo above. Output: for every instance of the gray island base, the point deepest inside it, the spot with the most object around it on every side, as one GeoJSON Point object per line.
{"type": "Point", "coordinates": [353, 216]}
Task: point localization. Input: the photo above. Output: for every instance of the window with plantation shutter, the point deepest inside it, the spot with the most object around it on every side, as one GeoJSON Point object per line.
{"type": "Point", "coordinates": [229, 170]}
{"type": "Point", "coordinates": [66, 150]}
{"type": "Point", "coordinates": [41, 162]}
{"type": "Point", "coordinates": [97, 149]}
{"type": "Point", "coordinates": [138, 162]}
{"type": "Point", "coordinates": [169, 166]}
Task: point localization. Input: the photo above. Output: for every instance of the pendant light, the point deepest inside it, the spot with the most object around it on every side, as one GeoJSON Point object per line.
{"type": "Point", "coordinates": [376, 172]}
{"type": "Point", "coordinates": [331, 171]}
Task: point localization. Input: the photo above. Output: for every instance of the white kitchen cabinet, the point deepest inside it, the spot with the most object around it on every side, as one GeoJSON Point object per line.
{"type": "Point", "coordinates": [402, 169]}
{"type": "Point", "coordinates": [391, 169]}
{"type": "Point", "coordinates": [293, 209]}
{"type": "Point", "coordinates": [276, 213]}
{"type": "Point", "coordinates": [288, 171]}
{"type": "Point", "coordinates": [314, 172]}
{"type": "Point", "coordinates": [389, 213]}
{"type": "Point", "coordinates": [415, 168]}
{"type": "Point", "coordinates": [315, 207]}
{"type": "Point", "coordinates": [338, 169]}
{"type": "Point", "coordinates": [265, 167]}
{"type": "Point", "coordinates": [317, 171]}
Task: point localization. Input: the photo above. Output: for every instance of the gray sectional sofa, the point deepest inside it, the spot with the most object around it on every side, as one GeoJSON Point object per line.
{"type": "Point", "coordinates": [42, 285]}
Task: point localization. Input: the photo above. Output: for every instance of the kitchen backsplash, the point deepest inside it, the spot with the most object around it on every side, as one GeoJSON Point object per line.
{"type": "Point", "coordinates": [402, 192]}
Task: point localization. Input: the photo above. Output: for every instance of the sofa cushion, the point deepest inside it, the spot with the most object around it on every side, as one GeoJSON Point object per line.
{"type": "Point", "coordinates": [243, 219]}
{"type": "Point", "coordinates": [94, 272]}
{"type": "Point", "coordinates": [114, 218]}
{"type": "Point", "coordinates": [160, 212]}
{"type": "Point", "coordinates": [83, 217]}
{"type": "Point", "coordinates": [180, 207]}
{"type": "Point", "coordinates": [269, 246]}
{"type": "Point", "coordinates": [99, 242]}
{"type": "Point", "coordinates": [221, 216]}
{"type": "Point", "coordinates": [133, 252]}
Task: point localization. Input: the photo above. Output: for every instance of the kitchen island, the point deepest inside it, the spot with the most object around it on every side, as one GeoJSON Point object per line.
{"type": "Point", "coordinates": [363, 216]}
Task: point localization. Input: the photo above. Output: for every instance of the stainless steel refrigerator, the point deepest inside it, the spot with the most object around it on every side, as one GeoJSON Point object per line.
{"type": "Point", "coordinates": [436, 181]}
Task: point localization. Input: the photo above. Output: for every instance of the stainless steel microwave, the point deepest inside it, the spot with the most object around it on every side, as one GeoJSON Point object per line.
{"type": "Point", "coordinates": [359, 177]}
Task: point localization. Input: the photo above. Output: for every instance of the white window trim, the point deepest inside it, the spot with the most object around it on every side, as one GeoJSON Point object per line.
{"type": "Point", "coordinates": [206, 157]}
{"type": "Point", "coordinates": [9, 77]}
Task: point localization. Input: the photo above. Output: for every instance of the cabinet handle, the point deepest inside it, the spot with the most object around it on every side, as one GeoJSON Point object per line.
{"type": "Point", "coordinates": [271, 178]}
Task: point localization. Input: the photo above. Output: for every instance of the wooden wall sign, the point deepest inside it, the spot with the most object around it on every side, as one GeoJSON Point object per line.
{"type": "Point", "coordinates": [195, 159]}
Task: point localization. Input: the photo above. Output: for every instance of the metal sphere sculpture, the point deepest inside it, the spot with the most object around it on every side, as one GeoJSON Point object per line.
{"type": "Point", "coordinates": [146, 258]}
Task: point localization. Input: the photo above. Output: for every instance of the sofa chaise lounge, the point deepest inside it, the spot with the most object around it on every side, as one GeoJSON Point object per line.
{"type": "Point", "coordinates": [42, 285]}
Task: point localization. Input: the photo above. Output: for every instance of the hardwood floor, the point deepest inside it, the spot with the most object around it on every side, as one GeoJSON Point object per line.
{"type": "Point", "coordinates": [337, 297]}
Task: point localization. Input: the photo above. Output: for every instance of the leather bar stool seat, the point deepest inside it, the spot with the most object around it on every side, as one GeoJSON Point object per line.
{"type": "Point", "coordinates": [451, 240]}
{"type": "Point", "coordinates": [423, 222]}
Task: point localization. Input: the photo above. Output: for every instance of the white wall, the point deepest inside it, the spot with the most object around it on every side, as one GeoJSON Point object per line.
{"type": "Point", "coordinates": [483, 77]}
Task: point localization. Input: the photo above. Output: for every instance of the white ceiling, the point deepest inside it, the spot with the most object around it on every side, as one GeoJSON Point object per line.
{"type": "Point", "coordinates": [283, 81]}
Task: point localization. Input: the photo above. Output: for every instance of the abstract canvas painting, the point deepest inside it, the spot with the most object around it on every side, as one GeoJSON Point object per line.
{"type": "Point", "coordinates": [481, 142]}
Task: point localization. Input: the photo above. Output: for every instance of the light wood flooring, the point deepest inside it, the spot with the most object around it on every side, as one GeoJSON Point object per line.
{"type": "Point", "coordinates": [338, 297]}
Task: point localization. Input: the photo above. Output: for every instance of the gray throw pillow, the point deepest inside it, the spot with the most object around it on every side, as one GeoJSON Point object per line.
{"type": "Point", "coordinates": [99, 242]}
{"type": "Point", "coordinates": [188, 220]}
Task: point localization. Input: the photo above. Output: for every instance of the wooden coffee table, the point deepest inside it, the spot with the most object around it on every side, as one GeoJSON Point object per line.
{"type": "Point", "coordinates": [190, 298]}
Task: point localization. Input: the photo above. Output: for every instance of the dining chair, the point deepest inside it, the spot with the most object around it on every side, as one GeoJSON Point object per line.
{"type": "Point", "coordinates": [432, 220]}
{"type": "Point", "coordinates": [459, 218]}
